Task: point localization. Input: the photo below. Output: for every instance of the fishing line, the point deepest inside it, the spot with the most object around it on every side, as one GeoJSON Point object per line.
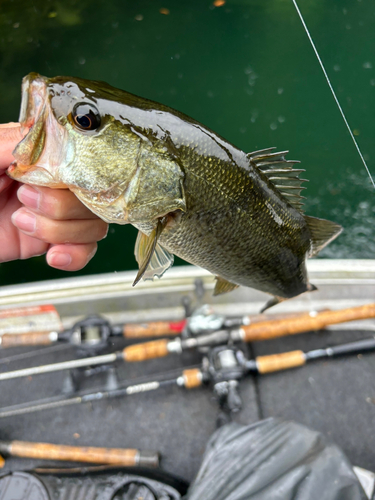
{"type": "Point", "coordinates": [333, 92]}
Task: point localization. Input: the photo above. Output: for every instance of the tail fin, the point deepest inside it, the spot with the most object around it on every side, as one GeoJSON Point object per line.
{"type": "Point", "coordinates": [322, 232]}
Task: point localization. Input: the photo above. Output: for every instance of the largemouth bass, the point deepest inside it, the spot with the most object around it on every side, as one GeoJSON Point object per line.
{"type": "Point", "coordinates": [188, 191]}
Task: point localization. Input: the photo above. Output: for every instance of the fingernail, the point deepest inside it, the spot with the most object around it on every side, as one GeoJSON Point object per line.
{"type": "Point", "coordinates": [24, 220]}
{"type": "Point", "coordinates": [59, 259]}
{"type": "Point", "coordinates": [91, 254]}
{"type": "Point", "coordinates": [28, 196]}
{"type": "Point", "coordinates": [106, 233]}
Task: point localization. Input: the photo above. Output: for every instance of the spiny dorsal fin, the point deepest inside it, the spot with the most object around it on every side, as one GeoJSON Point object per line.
{"type": "Point", "coordinates": [322, 232]}
{"type": "Point", "coordinates": [223, 286]}
{"type": "Point", "coordinates": [281, 173]}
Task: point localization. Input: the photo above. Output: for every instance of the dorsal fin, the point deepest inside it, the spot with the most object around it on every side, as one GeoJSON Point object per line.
{"type": "Point", "coordinates": [281, 173]}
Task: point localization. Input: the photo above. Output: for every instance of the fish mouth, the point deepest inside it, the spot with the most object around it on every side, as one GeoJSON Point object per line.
{"type": "Point", "coordinates": [34, 93]}
{"type": "Point", "coordinates": [39, 153]}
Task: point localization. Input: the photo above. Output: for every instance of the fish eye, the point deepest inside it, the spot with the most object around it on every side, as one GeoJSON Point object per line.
{"type": "Point", "coordinates": [86, 116]}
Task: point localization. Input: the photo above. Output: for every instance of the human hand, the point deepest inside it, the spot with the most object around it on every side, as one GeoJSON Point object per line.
{"type": "Point", "coordinates": [36, 220]}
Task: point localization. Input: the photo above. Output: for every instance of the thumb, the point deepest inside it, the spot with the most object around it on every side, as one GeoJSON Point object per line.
{"type": "Point", "coordinates": [10, 136]}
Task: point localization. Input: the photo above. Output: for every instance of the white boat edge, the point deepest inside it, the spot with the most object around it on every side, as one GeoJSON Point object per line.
{"type": "Point", "coordinates": [341, 283]}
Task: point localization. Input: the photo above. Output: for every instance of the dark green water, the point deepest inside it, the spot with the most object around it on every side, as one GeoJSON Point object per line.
{"type": "Point", "coordinates": [246, 70]}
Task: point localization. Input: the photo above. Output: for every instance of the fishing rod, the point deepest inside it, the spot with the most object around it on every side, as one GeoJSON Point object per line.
{"type": "Point", "coordinates": [223, 367]}
{"type": "Point", "coordinates": [94, 331]}
{"type": "Point", "coordinates": [31, 354]}
{"type": "Point", "coordinates": [257, 331]}
{"type": "Point", "coordinates": [125, 457]}
{"type": "Point", "coordinates": [138, 385]}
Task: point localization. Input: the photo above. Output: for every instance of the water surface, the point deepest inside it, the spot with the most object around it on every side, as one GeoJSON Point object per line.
{"type": "Point", "coordinates": [245, 69]}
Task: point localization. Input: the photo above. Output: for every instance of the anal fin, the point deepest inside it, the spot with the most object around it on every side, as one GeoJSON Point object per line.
{"type": "Point", "coordinates": [153, 260]}
{"type": "Point", "coordinates": [273, 301]}
{"type": "Point", "coordinates": [270, 303]}
{"type": "Point", "coordinates": [223, 286]}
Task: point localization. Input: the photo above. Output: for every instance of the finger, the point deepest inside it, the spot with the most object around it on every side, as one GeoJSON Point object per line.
{"type": "Point", "coordinates": [5, 182]}
{"type": "Point", "coordinates": [70, 257]}
{"type": "Point", "coordinates": [30, 247]}
{"type": "Point", "coordinates": [56, 204]}
{"type": "Point", "coordinates": [10, 136]}
{"type": "Point", "coordinates": [59, 232]}
{"type": "Point", "coordinates": [16, 245]}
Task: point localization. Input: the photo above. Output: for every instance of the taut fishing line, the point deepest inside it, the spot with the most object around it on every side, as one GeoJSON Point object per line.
{"type": "Point", "coordinates": [333, 92]}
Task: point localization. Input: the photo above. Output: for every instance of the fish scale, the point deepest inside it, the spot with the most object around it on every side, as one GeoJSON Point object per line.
{"type": "Point", "coordinates": [196, 237]}
{"type": "Point", "coordinates": [189, 191]}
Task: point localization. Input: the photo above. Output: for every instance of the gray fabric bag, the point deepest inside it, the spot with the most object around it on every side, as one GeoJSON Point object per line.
{"type": "Point", "coordinates": [273, 460]}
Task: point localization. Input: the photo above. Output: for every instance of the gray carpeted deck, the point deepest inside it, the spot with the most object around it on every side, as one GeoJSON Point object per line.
{"type": "Point", "coordinates": [336, 397]}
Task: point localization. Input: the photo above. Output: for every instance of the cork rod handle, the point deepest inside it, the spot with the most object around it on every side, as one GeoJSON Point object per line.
{"type": "Point", "coordinates": [304, 323]}
{"type": "Point", "coordinates": [192, 378]}
{"type": "Point", "coordinates": [278, 362]}
{"type": "Point", "coordinates": [118, 456]}
{"type": "Point", "coordinates": [146, 350]}
{"type": "Point", "coordinates": [153, 329]}
{"type": "Point", "coordinates": [19, 339]}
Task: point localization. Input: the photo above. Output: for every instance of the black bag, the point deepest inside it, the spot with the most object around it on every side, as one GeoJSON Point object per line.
{"type": "Point", "coordinates": [269, 460]}
{"type": "Point", "coordinates": [274, 460]}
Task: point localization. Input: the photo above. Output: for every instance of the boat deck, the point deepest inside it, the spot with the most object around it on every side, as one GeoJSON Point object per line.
{"type": "Point", "coordinates": [336, 397]}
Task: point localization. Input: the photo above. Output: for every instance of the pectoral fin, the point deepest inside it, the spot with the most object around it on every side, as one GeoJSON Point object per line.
{"type": "Point", "coordinates": [153, 260]}
{"type": "Point", "coordinates": [223, 286]}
